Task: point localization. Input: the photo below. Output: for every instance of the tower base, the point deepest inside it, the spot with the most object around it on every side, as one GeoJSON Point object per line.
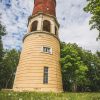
{"type": "Point", "coordinates": [30, 71]}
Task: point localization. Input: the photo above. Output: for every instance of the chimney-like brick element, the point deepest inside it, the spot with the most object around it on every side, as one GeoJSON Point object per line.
{"type": "Point", "coordinates": [45, 6]}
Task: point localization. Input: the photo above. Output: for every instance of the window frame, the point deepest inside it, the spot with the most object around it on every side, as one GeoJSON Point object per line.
{"type": "Point", "coordinates": [46, 51]}
{"type": "Point", "coordinates": [36, 26]}
{"type": "Point", "coordinates": [45, 75]}
{"type": "Point", "coordinates": [48, 26]}
{"type": "Point", "coordinates": [56, 31]}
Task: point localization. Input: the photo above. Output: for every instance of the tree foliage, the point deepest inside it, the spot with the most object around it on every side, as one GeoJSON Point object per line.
{"type": "Point", "coordinates": [2, 33]}
{"type": "Point", "coordinates": [8, 63]}
{"type": "Point", "coordinates": [93, 7]}
{"type": "Point", "coordinates": [80, 69]}
{"type": "Point", "coordinates": [8, 69]}
{"type": "Point", "coordinates": [98, 54]}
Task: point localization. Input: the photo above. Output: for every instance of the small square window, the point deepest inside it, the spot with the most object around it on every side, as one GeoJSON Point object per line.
{"type": "Point", "coordinates": [47, 50]}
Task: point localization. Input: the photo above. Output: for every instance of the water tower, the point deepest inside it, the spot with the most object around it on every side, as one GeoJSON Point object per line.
{"type": "Point", "coordinates": [39, 65]}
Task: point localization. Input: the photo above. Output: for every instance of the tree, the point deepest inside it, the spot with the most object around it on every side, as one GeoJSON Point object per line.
{"type": "Point", "coordinates": [10, 61]}
{"type": "Point", "coordinates": [2, 33]}
{"type": "Point", "coordinates": [98, 54]}
{"type": "Point", "coordinates": [80, 68]}
{"type": "Point", "coordinates": [93, 63]}
{"type": "Point", "coordinates": [73, 69]}
{"type": "Point", "coordinates": [93, 7]}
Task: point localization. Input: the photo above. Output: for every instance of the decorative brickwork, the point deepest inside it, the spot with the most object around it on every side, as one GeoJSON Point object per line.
{"type": "Point", "coordinates": [45, 6]}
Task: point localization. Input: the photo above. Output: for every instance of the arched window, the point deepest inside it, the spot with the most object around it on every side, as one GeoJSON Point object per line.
{"type": "Point", "coordinates": [56, 30]}
{"type": "Point", "coordinates": [34, 26]}
{"type": "Point", "coordinates": [46, 26]}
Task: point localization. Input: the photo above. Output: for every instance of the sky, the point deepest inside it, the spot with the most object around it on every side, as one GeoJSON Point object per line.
{"type": "Point", "coordinates": [74, 23]}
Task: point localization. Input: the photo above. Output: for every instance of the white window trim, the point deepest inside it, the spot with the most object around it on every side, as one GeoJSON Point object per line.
{"type": "Point", "coordinates": [47, 52]}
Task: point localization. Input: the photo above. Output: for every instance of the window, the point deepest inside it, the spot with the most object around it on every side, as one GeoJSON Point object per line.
{"type": "Point", "coordinates": [47, 50]}
{"type": "Point", "coordinates": [46, 26]}
{"type": "Point", "coordinates": [34, 26]}
{"type": "Point", "coordinates": [55, 30]}
{"type": "Point", "coordinates": [45, 77]}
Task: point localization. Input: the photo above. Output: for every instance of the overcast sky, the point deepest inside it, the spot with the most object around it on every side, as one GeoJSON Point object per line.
{"type": "Point", "coordinates": [73, 21]}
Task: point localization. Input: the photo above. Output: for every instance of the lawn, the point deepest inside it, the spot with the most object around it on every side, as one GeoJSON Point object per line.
{"type": "Point", "coordinates": [48, 96]}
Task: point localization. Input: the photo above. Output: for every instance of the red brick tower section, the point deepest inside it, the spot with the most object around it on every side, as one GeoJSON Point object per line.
{"type": "Point", "coordinates": [45, 6]}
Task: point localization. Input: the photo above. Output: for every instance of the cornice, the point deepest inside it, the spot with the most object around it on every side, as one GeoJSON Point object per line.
{"type": "Point", "coordinates": [41, 32]}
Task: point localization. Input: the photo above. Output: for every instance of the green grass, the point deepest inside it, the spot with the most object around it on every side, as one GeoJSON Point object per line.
{"type": "Point", "coordinates": [48, 96]}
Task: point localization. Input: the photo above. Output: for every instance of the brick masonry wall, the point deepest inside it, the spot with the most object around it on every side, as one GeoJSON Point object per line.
{"type": "Point", "coordinates": [29, 75]}
{"type": "Point", "coordinates": [45, 6]}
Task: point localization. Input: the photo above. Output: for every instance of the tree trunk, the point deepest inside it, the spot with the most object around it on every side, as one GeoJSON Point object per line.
{"type": "Point", "coordinates": [8, 81]}
{"type": "Point", "coordinates": [74, 88]}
